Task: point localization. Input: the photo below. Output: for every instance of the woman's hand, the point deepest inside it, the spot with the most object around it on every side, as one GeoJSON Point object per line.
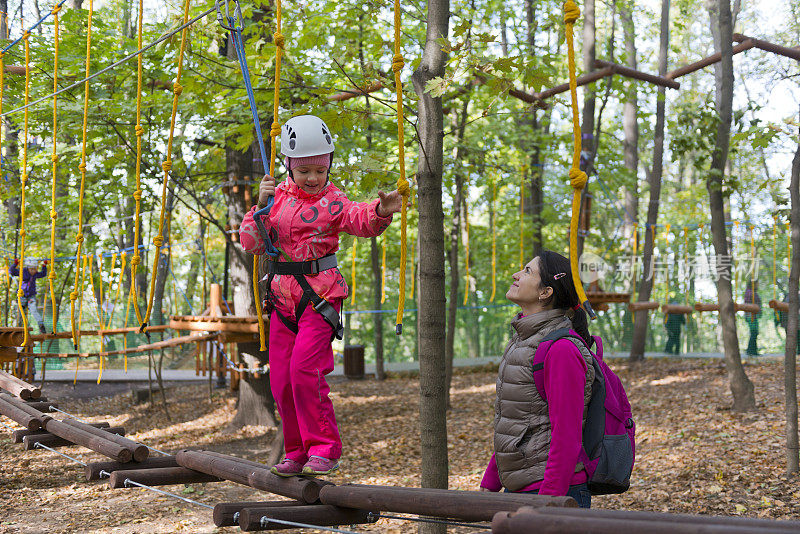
{"type": "Point", "coordinates": [265, 190]}
{"type": "Point", "coordinates": [390, 203]}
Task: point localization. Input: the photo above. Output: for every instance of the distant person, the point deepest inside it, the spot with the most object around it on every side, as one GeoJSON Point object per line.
{"type": "Point", "coordinates": [29, 276]}
{"type": "Point", "coordinates": [781, 318]}
{"type": "Point", "coordinates": [673, 322]}
{"type": "Point", "coordinates": [751, 297]}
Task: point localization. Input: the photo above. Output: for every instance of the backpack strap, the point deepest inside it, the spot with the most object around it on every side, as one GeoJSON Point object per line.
{"type": "Point", "coordinates": [595, 421]}
{"type": "Point", "coordinates": [541, 354]}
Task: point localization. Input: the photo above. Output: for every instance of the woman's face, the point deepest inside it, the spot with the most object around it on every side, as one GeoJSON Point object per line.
{"type": "Point", "coordinates": [526, 288]}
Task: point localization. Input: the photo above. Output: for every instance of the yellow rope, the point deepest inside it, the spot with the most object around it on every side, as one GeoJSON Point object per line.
{"type": "Point", "coordinates": [274, 132]}
{"type": "Point", "coordinates": [82, 291]}
{"type": "Point", "coordinates": [82, 167]}
{"type": "Point", "coordinates": [494, 241]}
{"type": "Point", "coordinates": [137, 193]}
{"type": "Point", "coordinates": [51, 275]}
{"type": "Point", "coordinates": [166, 166]}
{"type": "Point", "coordinates": [577, 177]}
{"type": "Point", "coordinates": [353, 275]}
{"type": "Point", "coordinates": [122, 261]}
{"type": "Point", "coordinates": [466, 254]}
{"type": "Point", "coordinates": [98, 302]}
{"type": "Point", "coordinates": [402, 183]}
{"type": "Point", "coordinates": [23, 182]}
{"type": "Point", "coordinates": [383, 269]}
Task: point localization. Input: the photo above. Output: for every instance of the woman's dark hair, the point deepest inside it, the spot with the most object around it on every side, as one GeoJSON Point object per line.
{"type": "Point", "coordinates": [555, 272]}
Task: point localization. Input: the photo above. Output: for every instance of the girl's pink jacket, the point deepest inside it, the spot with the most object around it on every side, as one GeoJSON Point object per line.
{"type": "Point", "coordinates": [306, 227]}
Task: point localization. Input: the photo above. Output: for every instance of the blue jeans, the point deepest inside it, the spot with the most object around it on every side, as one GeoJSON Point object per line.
{"type": "Point", "coordinates": [579, 492]}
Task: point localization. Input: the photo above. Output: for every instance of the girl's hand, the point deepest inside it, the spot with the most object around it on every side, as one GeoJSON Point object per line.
{"type": "Point", "coordinates": [390, 203]}
{"type": "Point", "coordinates": [265, 190]}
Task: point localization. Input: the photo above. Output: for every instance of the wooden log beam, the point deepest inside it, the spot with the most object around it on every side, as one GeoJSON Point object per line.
{"type": "Point", "coordinates": [253, 519]}
{"type": "Point", "coordinates": [17, 435]}
{"type": "Point", "coordinates": [461, 505]}
{"type": "Point", "coordinates": [737, 306]}
{"type": "Point", "coordinates": [678, 309]}
{"type": "Point", "coordinates": [252, 474]}
{"type": "Point", "coordinates": [214, 326]}
{"type": "Point", "coordinates": [637, 74]}
{"type": "Point", "coordinates": [643, 305]}
{"type": "Point", "coordinates": [537, 98]}
{"type": "Point", "coordinates": [780, 306]}
{"type": "Point", "coordinates": [20, 416]}
{"type": "Point", "coordinates": [18, 387]}
{"type": "Point", "coordinates": [98, 444]}
{"type": "Point", "coordinates": [674, 519]}
{"type": "Point", "coordinates": [359, 91]}
{"type": "Point", "coordinates": [705, 62]}
{"type": "Point", "coordinates": [139, 452]}
{"type": "Point", "coordinates": [42, 406]}
{"type": "Point", "coordinates": [51, 440]}
{"type": "Point", "coordinates": [793, 53]}
{"type": "Point", "coordinates": [226, 514]}
{"type": "Point", "coordinates": [93, 470]}
{"type": "Point", "coordinates": [544, 522]}
{"type": "Point", "coordinates": [159, 476]}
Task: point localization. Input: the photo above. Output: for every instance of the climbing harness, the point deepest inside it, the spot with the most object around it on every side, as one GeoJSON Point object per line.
{"type": "Point", "coordinates": [577, 177]}
{"type": "Point", "coordinates": [299, 270]}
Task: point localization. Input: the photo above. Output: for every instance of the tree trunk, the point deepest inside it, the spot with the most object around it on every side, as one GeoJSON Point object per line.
{"type": "Point", "coordinates": [536, 203]}
{"type": "Point", "coordinates": [162, 272]}
{"type": "Point", "coordinates": [741, 387]}
{"type": "Point", "coordinates": [790, 355]}
{"type": "Point", "coordinates": [4, 19]}
{"type": "Point", "coordinates": [453, 253]}
{"type": "Point", "coordinates": [195, 264]}
{"type": "Point", "coordinates": [587, 121]}
{"type": "Point", "coordinates": [654, 179]}
{"type": "Point", "coordinates": [630, 124]}
{"type": "Point", "coordinates": [377, 318]}
{"type": "Point", "coordinates": [75, 4]}
{"type": "Point", "coordinates": [432, 379]}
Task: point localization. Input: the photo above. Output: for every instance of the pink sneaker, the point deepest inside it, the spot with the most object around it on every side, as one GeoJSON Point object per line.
{"type": "Point", "coordinates": [287, 468]}
{"type": "Point", "coordinates": [317, 465]}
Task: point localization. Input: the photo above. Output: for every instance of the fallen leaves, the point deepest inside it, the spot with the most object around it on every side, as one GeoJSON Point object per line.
{"type": "Point", "coordinates": [694, 455]}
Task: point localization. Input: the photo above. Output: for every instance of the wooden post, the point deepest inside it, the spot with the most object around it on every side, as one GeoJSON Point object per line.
{"type": "Point", "coordinates": [226, 514]}
{"type": "Point", "coordinates": [159, 476]}
{"type": "Point", "coordinates": [92, 470]}
{"type": "Point", "coordinates": [250, 519]}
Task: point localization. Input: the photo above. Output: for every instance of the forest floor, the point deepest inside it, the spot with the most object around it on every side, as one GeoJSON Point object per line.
{"type": "Point", "coordinates": [694, 454]}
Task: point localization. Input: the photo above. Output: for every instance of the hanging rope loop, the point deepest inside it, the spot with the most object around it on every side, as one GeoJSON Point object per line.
{"type": "Point", "coordinates": [139, 130]}
{"type": "Point", "coordinates": [177, 89]}
{"type": "Point", "coordinates": [571, 12]}
{"type": "Point", "coordinates": [403, 187]}
{"type": "Point", "coordinates": [577, 178]}
{"type": "Point", "coordinates": [56, 9]}
{"type": "Point", "coordinates": [279, 40]}
{"type": "Point", "coordinates": [398, 63]}
{"type": "Point", "coordinates": [136, 260]}
{"type": "Point", "coordinates": [137, 195]}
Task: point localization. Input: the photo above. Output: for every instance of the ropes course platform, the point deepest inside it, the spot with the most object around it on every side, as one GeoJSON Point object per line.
{"type": "Point", "coordinates": [318, 503]}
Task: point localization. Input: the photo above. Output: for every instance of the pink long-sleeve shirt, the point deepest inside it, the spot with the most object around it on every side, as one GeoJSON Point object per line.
{"type": "Point", "coordinates": [564, 382]}
{"type": "Point", "coordinates": [306, 227]}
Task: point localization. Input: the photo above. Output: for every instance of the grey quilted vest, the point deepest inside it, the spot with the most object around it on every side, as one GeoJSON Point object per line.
{"type": "Point", "coordinates": [521, 422]}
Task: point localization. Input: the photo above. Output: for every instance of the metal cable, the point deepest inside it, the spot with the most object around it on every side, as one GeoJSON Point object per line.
{"type": "Point", "coordinates": [54, 409]}
{"type": "Point", "coordinates": [117, 64]}
{"type": "Point", "coordinates": [427, 520]}
{"type": "Point", "coordinates": [151, 488]}
{"type": "Point", "coordinates": [267, 520]}
{"type": "Point", "coordinates": [39, 445]}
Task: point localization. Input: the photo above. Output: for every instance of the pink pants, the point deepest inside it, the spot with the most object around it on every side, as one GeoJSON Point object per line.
{"type": "Point", "coordinates": [298, 364]}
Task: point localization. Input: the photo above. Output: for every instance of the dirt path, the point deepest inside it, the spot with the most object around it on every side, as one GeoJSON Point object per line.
{"type": "Point", "coordinates": [693, 454]}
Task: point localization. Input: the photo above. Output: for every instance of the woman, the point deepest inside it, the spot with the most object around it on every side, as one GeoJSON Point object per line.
{"type": "Point", "coordinates": [537, 443]}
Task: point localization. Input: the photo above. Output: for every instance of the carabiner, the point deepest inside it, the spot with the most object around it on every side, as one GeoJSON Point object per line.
{"type": "Point", "coordinates": [232, 25]}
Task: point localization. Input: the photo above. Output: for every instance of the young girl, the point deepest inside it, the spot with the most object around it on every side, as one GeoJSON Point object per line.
{"type": "Point", "coordinates": [305, 289]}
{"type": "Point", "coordinates": [537, 443]}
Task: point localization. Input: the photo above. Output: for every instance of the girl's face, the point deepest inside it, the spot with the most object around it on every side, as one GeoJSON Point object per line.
{"type": "Point", "coordinates": [310, 178]}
